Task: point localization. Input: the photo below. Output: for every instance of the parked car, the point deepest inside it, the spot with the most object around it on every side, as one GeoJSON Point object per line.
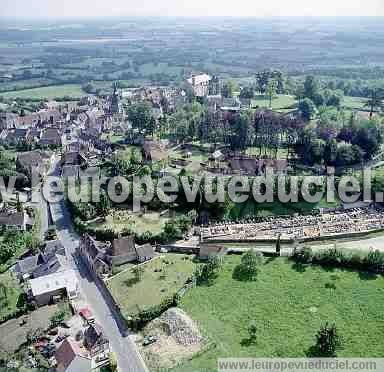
{"type": "Point", "coordinates": [48, 350]}
{"type": "Point", "coordinates": [53, 331]}
{"type": "Point", "coordinates": [148, 340]}
{"type": "Point", "coordinates": [61, 338]}
{"type": "Point", "coordinates": [65, 325]}
{"type": "Point", "coordinates": [87, 315]}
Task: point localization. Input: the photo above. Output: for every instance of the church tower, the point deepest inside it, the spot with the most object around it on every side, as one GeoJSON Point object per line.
{"type": "Point", "coordinates": [214, 86]}
{"type": "Point", "coordinates": [114, 104]}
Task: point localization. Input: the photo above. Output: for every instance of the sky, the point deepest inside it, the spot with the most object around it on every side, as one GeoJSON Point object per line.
{"type": "Point", "coordinates": [260, 8]}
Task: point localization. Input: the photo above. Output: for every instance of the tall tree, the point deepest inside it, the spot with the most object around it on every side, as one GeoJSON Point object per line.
{"type": "Point", "coordinates": [311, 87]}
{"type": "Point", "coordinates": [249, 265]}
{"type": "Point", "coordinates": [262, 79]}
{"type": "Point", "coordinates": [306, 108]}
{"type": "Point", "coordinates": [140, 116]}
{"type": "Point", "coordinates": [271, 90]}
{"type": "Point", "coordinates": [375, 101]}
{"type": "Point", "coordinates": [247, 92]}
{"type": "Point", "coordinates": [228, 89]}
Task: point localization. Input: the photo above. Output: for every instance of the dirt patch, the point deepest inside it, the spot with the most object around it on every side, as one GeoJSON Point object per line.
{"type": "Point", "coordinates": [178, 338]}
{"type": "Point", "coordinates": [17, 332]}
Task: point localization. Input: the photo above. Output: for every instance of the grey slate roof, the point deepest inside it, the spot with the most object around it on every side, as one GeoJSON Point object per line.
{"type": "Point", "coordinates": [12, 219]}
{"type": "Point", "coordinates": [145, 251]}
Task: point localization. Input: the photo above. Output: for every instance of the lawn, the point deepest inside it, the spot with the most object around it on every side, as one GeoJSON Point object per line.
{"type": "Point", "coordinates": [54, 91]}
{"type": "Point", "coordinates": [132, 294]}
{"type": "Point", "coordinates": [280, 102]}
{"type": "Point", "coordinates": [120, 219]}
{"type": "Point", "coordinates": [126, 152]}
{"type": "Point", "coordinates": [288, 306]}
{"type": "Point", "coordinates": [112, 138]}
{"type": "Point", "coordinates": [355, 103]}
{"type": "Point", "coordinates": [196, 157]}
{"type": "Point", "coordinates": [10, 295]}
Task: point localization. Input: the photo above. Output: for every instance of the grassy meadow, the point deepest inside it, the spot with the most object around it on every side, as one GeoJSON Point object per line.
{"type": "Point", "coordinates": [288, 304]}
{"type": "Point", "coordinates": [9, 295]}
{"type": "Point", "coordinates": [132, 294]}
{"type": "Point", "coordinates": [281, 102]}
{"type": "Point", "coordinates": [50, 92]}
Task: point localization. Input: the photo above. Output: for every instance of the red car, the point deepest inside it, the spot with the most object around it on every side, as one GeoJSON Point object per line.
{"type": "Point", "coordinates": [87, 315]}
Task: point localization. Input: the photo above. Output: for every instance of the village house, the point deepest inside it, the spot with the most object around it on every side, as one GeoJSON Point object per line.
{"type": "Point", "coordinates": [94, 255]}
{"type": "Point", "coordinates": [49, 259]}
{"type": "Point", "coordinates": [199, 84]}
{"type": "Point", "coordinates": [95, 341]}
{"type": "Point", "coordinates": [89, 354]}
{"type": "Point", "coordinates": [90, 141]}
{"type": "Point", "coordinates": [29, 161]}
{"type": "Point", "coordinates": [14, 136]}
{"type": "Point", "coordinates": [101, 257]}
{"type": "Point", "coordinates": [71, 357]}
{"type": "Point", "coordinates": [50, 137]}
{"type": "Point", "coordinates": [8, 120]}
{"type": "Point", "coordinates": [208, 251]}
{"type": "Point", "coordinates": [122, 250]}
{"type": "Point", "coordinates": [231, 105]}
{"type": "Point", "coordinates": [13, 220]}
{"type": "Point", "coordinates": [252, 165]}
{"type": "Point", "coordinates": [49, 288]}
{"type": "Point", "coordinates": [144, 253]}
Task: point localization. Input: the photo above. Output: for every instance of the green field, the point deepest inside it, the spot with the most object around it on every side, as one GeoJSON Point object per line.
{"type": "Point", "coordinates": [288, 306]}
{"type": "Point", "coordinates": [194, 159]}
{"type": "Point", "coordinates": [54, 91]}
{"type": "Point", "coordinates": [160, 68]}
{"type": "Point", "coordinates": [280, 102]}
{"type": "Point", "coordinates": [10, 293]}
{"type": "Point", "coordinates": [112, 138]}
{"type": "Point", "coordinates": [354, 103]}
{"type": "Point", "coordinates": [133, 295]}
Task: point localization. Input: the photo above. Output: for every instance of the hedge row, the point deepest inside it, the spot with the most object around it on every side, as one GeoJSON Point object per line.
{"type": "Point", "coordinates": [372, 261]}
{"type": "Point", "coordinates": [139, 320]}
{"type": "Point", "coordinates": [16, 314]}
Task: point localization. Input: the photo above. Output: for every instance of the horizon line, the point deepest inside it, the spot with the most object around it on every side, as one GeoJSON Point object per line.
{"type": "Point", "coordinates": [56, 17]}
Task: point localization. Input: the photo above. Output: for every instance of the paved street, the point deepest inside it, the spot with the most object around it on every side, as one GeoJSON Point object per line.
{"type": "Point", "coordinates": [128, 357]}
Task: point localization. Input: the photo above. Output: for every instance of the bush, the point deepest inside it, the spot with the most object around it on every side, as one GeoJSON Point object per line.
{"type": "Point", "coordinates": [57, 318]}
{"type": "Point", "coordinates": [206, 273]}
{"type": "Point", "coordinates": [139, 320]}
{"type": "Point", "coordinates": [105, 235]}
{"type": "Point", "coordinates": [112, 361]}
{"type": "Point", "coordinates": [302, 255]}
{"type": "Point", "coordinates": [375, 260]}
{"type": "Point", "coordinates": [327, 341]}
{"type": "Point", "coordinates": [248, 267]}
